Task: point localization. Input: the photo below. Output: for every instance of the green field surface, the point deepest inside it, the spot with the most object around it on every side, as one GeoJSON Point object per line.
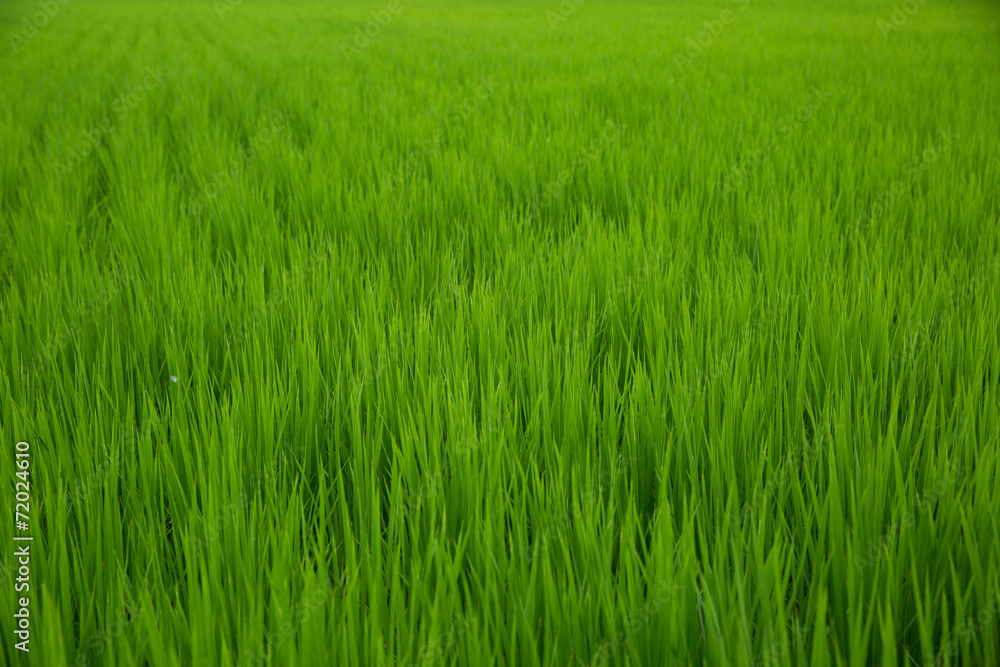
{"type": "Point", "coordinates": [518, 333]}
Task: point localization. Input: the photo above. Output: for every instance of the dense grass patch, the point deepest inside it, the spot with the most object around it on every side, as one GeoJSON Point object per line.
{"type": "Point", "coordinates": [516, 333]}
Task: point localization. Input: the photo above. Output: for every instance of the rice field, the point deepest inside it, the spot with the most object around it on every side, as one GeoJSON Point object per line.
{"type": "Point", "coordinates": [411, 333]}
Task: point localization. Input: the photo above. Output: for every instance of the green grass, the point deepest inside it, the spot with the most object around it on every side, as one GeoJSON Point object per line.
{"type": "Point", "coordinates": [504, 339]}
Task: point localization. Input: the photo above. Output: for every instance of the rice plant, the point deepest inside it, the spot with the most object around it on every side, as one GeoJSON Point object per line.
{"type": "Point", "coordinates": [519, 333]}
